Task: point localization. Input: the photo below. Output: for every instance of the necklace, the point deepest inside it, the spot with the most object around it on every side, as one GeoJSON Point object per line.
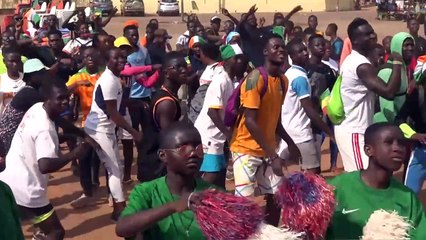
{"type": "Point", "coordinates": [186, 228]}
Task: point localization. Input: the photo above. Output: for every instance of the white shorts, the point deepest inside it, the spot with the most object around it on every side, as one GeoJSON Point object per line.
{"type": "Point", "coordinates": [122, 133]}
{"type": "Point", "coordinates": [351, 148]}
{"type": "Point", "coordinates": [249, 170]}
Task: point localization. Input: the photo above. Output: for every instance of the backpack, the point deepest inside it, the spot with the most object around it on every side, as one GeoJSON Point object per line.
{"type": "Point", "coordinates": [197, 102]}
{"type": "Point", "coordinates": [335, 110]}
{"type": "Point", "coordinates": [233, 107]}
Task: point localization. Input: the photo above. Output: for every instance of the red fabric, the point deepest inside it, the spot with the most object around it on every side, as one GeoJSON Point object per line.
{"type": "Point", "coordinates": [143, 80]}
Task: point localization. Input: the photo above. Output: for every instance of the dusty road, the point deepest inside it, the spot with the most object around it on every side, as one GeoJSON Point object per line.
{"type": "Point", "coordinates": [93, 223]}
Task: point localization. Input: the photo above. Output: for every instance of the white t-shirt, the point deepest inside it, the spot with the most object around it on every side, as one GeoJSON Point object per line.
{"type": "Point", "coordinates": [358, 101]}
{"type": "Point", "coordinates": [108, 87]}
{"type": "Point", "coordinates": [217, 95]}
{"type": "Point", "coordinates": [76, 43]}
{"type": "Point", "coordinates": [332, 64]}
{"type": "Point", "coordinates": [184, 39]}
{"type": "Point", "coordinates": [35, 138]}
{"type": "Point", "coordinates": [9, 85]}
{"type": "Point", "coordinates": [209, 73]}
{"type": "Point", "coordinates": [293, 117]}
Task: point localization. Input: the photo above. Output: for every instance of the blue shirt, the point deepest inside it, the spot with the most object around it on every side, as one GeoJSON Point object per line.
{"type": "Point", "coordinates": [139, 58]}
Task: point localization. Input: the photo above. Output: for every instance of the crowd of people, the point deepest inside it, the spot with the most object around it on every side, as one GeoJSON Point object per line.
{"type": "Point", "coordinates": [239, 106]}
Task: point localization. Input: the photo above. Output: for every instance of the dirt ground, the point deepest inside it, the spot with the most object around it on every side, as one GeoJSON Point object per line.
{"type": "Point", "coordinates": [93, 223]}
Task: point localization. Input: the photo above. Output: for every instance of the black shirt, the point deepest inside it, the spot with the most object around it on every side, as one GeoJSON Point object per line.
{"type": "Point", "coordinates": [321, 78]}
{"type": "Point", "coordinates": [156, 52]}
{"type": "Point", "coordinates": [149, 165]}
{"type": "Point", "coordinates": [253, 41]}
{"type": "Point", "coordinates": [420, 46]}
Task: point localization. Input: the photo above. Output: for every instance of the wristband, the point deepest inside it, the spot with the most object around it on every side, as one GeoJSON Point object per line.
{"type": "Point", "coordinates": [397, 63]}
{"type": "Point", "coordinates": [407, 130]}
{"type": "Point", "coordinates": [273, 158]}
{"type": "Point", "coordinates": [189, 200]}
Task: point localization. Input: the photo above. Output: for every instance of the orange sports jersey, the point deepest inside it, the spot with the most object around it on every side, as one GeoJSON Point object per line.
{"type": "Point", "coordinates": [268, 112]}
{"type": "Point", "coordinates": [84, 92]}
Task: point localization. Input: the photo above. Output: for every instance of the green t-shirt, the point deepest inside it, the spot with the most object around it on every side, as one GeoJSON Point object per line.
{"type": "Point", "coordinates": [9, 216]}
{"type": "Point", "coordinates": [155, 194]}
{"type": "Point", "coordinates": [355, 202]}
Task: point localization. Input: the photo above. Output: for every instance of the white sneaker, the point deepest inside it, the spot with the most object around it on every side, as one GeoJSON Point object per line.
{"type": "Point", "coordinates": [82, 201]}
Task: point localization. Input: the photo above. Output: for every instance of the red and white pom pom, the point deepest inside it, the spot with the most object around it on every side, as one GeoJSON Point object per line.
{"type": "Point", "coordinates": [225, 216]}
{"type": "Point", "coordinates": [307, 203]}
{"type": "Point", "coordinates": [386, 225]}
{"type": "Point", "coordinates": [269, 232]}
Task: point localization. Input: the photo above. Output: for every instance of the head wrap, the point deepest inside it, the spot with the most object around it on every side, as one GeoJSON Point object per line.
{"type": "Point", "coordinates": [230, 51]}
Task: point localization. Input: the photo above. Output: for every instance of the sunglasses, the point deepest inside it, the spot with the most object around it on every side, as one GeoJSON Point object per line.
{"type": "Point", "coordinates": [17, 19]}
{"type": "Point", "coordinates": [186, 151]}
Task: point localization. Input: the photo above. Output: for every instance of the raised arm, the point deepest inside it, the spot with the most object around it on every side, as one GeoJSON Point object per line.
{"type": "Point", "coordinates": [388, 90]}
{"type": "Point", "coordinates": [227, 14]}
{"type": "Point", "coordinates": [292, 12]}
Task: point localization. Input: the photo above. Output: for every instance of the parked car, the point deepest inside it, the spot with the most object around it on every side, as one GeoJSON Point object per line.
{"type": "Point", "coordinates": [168, 7]}
{"type": "Point", "coordinates": [132, 7]}
{"type": "Point", "coordinates": [104, 6]}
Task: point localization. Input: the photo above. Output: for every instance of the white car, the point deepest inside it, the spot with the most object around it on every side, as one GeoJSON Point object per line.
{"type": "Point", "coordinates": [168, 7]}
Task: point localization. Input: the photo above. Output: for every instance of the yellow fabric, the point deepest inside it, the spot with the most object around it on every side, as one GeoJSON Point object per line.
{"type": "Point", "coordinates": [407, 130]}
{"type": "Point", "coordinates": [268, 113]}
{"type": "Point", "coordinates": [43, 217]}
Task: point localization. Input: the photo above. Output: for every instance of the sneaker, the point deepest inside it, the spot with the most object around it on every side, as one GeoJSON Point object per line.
{"type": "Point", "coordinates": [39, 235]}
{"type": "Point", "coordinates": [115, 217]}
{"type": "Point", "coordinates": [82, 201]}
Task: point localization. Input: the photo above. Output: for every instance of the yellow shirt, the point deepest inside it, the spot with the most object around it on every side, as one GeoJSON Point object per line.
{"type": "Point", "coordinates": [268, 112]}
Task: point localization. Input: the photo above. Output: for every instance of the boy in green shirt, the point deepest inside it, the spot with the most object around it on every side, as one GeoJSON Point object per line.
{"type": "Point", "coordinates": [9, 215]}
{"type": "Point", "coordinates": [159, 209]}
{"type": "Point", "coordinates": [358, 194]}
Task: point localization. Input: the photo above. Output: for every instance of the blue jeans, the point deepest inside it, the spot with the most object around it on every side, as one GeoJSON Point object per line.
{"type": "Point", "coordinates": [416, 170]}
{"type": "Point", "coordinates": [334, 151]}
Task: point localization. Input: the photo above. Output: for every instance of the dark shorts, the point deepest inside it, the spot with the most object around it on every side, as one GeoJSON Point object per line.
{"type": "Point", "coordinates": [36, 215]}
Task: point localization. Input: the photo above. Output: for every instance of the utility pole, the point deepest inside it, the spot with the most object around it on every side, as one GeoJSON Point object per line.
{"type": "Point", "coordinates": [182, 10]}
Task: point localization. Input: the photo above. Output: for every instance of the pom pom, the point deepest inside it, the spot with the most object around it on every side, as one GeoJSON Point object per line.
{"type": "Point", "coordinates": [269, 232]}
{"type": "Point", "coordinates": [386, 225]}
{"type": "Point", "coordinates": [307, 202]}
{"type": "Point", "coordinates": [225, 216]}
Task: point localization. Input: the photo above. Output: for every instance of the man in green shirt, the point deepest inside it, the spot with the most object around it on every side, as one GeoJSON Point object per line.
{"type": "Point", "coordinates": [9, 215]}
{"type": "Point", "coordinates": [159, 209]}
{"type": "Point", "coordinates": [358, 194]}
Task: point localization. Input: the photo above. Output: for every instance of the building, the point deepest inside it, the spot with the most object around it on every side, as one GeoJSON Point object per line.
{"type": "Point", "coordinates": [214, 6]}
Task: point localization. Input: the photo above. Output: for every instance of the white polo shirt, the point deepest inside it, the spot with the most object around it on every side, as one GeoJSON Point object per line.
{"type": "Point", "coordinates": [35, 138]}
{"type": "Point", "coordinates": [108, 87]}
{"type": "Point", "coordinates": [217, 96]}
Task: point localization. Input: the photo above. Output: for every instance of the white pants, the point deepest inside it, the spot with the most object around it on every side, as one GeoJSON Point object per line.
{"type": "Point", "coordinates": [122, 133]}
{"type": "Point", "coordinates": [351, 148]}
{"type": "Point", "coordinates": [109, 156]}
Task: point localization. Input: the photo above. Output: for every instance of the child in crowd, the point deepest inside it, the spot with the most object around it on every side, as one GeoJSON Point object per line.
{"type": "Point", "coordinates": [159, 209]}
{"type": "Point", "coordinates": [360, 193]}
